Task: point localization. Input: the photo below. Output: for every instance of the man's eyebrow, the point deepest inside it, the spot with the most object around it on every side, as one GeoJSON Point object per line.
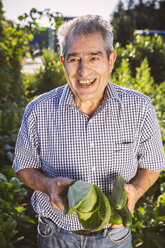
{"type": "Point", "coordinates": [68, 55]}
{"type": "Point", "coordinates": [96, 53]}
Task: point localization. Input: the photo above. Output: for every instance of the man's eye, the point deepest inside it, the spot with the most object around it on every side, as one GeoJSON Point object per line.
{"type": "Point", "coordinates": [73, 60]}
{"type": "Point", "coordinates": [94, 58]}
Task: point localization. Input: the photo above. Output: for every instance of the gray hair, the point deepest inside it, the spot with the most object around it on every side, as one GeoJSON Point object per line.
{"type": "Point", "coordinates": [85, 25]}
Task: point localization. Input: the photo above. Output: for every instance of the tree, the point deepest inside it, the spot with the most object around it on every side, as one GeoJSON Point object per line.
{"type": "Point", "coordinates": [12, 45]}
{"type": "Point", "coordinates": [141, 15]}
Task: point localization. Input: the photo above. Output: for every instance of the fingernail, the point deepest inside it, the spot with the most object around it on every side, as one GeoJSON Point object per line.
{"type": "Point", "coordinates": [58, 183]}
{"type": "Point", "coordinates": [70, 180]}
{"type": "Point", "coordinates": [125, 186]}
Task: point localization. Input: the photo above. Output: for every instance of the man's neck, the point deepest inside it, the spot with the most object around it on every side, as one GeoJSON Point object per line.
{"type": "Point", "coordinates": [88, 107]}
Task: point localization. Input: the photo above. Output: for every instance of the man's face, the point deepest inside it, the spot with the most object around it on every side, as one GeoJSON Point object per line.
{"type": "Point", "coordinates": [87, 67]}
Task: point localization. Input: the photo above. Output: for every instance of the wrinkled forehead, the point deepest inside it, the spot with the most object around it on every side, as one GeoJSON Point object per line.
{"type": "Point", "coordinates": [76, 41]}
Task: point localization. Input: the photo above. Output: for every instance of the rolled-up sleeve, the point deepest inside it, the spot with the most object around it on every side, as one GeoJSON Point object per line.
{"type": "Point", "coordinates": [27, 145]}
{"type": "Point", "coordinates": [151, 151]}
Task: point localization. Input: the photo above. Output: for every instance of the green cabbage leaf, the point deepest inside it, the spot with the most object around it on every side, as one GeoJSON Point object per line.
{"type": "Point", "coordinates": [90, 204]}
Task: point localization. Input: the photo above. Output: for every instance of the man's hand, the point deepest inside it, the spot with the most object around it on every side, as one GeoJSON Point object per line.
{"type": "Point", "coordinates": [138, 186]}
{"type": "Point", "coordinates": [133, 195]}
{"type": "Point", "coordinates": [143, 180]}
{"type": "Point", "coordinates": [57, 190]}
{"type": "Point", "coordinates": [132, 198]}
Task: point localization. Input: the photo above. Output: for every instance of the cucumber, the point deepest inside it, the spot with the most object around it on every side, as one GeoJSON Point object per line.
{"type": "Point", "coordinates": [115, 217]}
{"type": "Point", "coordinates": [126, 216]}
{"type": "Point", "coordinates": [118, 193]}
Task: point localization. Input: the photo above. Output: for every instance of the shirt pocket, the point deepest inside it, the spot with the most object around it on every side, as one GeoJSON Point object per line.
{"type": "Point", "coordinates": [122, 158]}
{"type": "Point", "coordinates": [126, 146]}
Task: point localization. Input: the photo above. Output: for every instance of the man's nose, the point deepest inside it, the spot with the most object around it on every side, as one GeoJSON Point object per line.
{"type": "Point", "coordinates": [83, 68]}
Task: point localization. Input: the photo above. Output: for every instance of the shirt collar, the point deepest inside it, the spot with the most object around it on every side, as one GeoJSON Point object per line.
{"type": "Point", "coordinates": [67, 97]}
{"type": "Point", "coordinates": [111, 93]}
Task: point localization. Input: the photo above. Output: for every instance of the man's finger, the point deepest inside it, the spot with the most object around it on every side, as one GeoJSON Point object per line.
{"type": "Point", "coordinates": [57, 203]}
{"type": "Point", "coordinates": [116, 226]}
{"type": "Point", "coordinates": [65, 182]}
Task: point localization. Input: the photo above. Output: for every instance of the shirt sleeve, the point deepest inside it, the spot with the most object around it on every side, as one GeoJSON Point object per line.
{"type": "Point", "coordinates": [151, 152]}
{"type": "Point", "coordinates": [27, 145]}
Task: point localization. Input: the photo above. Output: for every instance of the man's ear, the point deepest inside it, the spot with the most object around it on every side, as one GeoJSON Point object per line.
{"type": "Point", "coordinates": [62, 61]}
{"type": "Point", "coordinates": [112, 58]}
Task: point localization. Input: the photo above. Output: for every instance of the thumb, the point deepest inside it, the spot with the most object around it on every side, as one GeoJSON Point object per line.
{"type": "Point", "coordinates": [57, 202]}
{"type": "Point", "coordinates": [128, 188]}
{"type": "Point", "coordinates": [70, 181]}
{"type": "Point", "coordinates": [65, 182]}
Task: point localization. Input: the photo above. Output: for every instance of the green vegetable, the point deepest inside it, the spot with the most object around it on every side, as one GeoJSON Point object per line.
{"type": "Point", "coordinates": [90, 204]}
{"type": "Point", "coordinates": [118, 193]}
{"type": "Point", "coordinates": [126, 216]}
{"type": "Point", "coordinates": [94, 209]}
{"type": "Point", "coordinates": [101, 213]}
{"type": "Point", "coordinates": [115, 217]}
{"type": "Point", "coordinates": [84, 216]}
{"type": "Point", "coordinates": [81, 195]}
{"type": "Point", "coordinates": [120, 213]}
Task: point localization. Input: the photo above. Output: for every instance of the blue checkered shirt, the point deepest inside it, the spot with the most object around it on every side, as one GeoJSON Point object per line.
{"type": "Point", "coordinates": [57, 138]}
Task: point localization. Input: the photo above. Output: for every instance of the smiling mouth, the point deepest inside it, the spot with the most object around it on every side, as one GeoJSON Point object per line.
{"type": "Point", "coordinates": [86, 82]}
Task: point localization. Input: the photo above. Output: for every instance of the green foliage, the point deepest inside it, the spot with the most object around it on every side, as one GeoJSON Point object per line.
{"type": "Point", "coordinates": [149, 217]}
{"type": "Point", "coordinates": [150, 47]}
{"type": "Point", "coordinates": [132, 15]}
{"type": "Point", "coordinates": [12, 212]}
{"type": "Point", "coordinates": [30, 22]}
{"type": "Point", "coordinates": [31, 19]}
{"type": "Point", "coordinates": [122, 24]}
{"type": "Point", "coordinates": [143, 81]}
{"type": "Point", "coordinates": [50, 75]}
{"type": "Point", "coordinates": [12, 44]}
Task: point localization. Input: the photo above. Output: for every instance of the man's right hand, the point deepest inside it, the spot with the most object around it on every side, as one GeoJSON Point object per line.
{"type": "Point", "coordinates": [57, 190]}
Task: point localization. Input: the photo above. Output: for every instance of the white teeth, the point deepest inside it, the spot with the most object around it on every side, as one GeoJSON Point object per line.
{"type": "Point", "coordinates": [86, 82]}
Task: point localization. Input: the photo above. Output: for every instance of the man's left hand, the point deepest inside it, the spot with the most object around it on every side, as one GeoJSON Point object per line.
{"type": "Point", "coordinates": [132, 196]}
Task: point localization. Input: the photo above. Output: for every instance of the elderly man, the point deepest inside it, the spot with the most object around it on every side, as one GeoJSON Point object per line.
{"type": "Point", "coordinates": [88, 130]}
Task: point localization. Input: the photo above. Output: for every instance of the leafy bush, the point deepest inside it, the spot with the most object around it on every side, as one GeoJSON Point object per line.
{"type": "Point", "coordinates": [50, 75]}
{"type": "Point", "coordinates": [12, 212]}
{"type": "Point", "coordinates": [149, 217]}
{"type": "Point", "coordinates": [12, 44]}
{"type": "Point", "coordinates": [150, 47]}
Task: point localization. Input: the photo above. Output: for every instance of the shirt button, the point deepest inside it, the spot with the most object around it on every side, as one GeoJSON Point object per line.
{"type": "Point", "coordinates": [91, 145]}
{"type": "Point", "coordinates": [93, 168]}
